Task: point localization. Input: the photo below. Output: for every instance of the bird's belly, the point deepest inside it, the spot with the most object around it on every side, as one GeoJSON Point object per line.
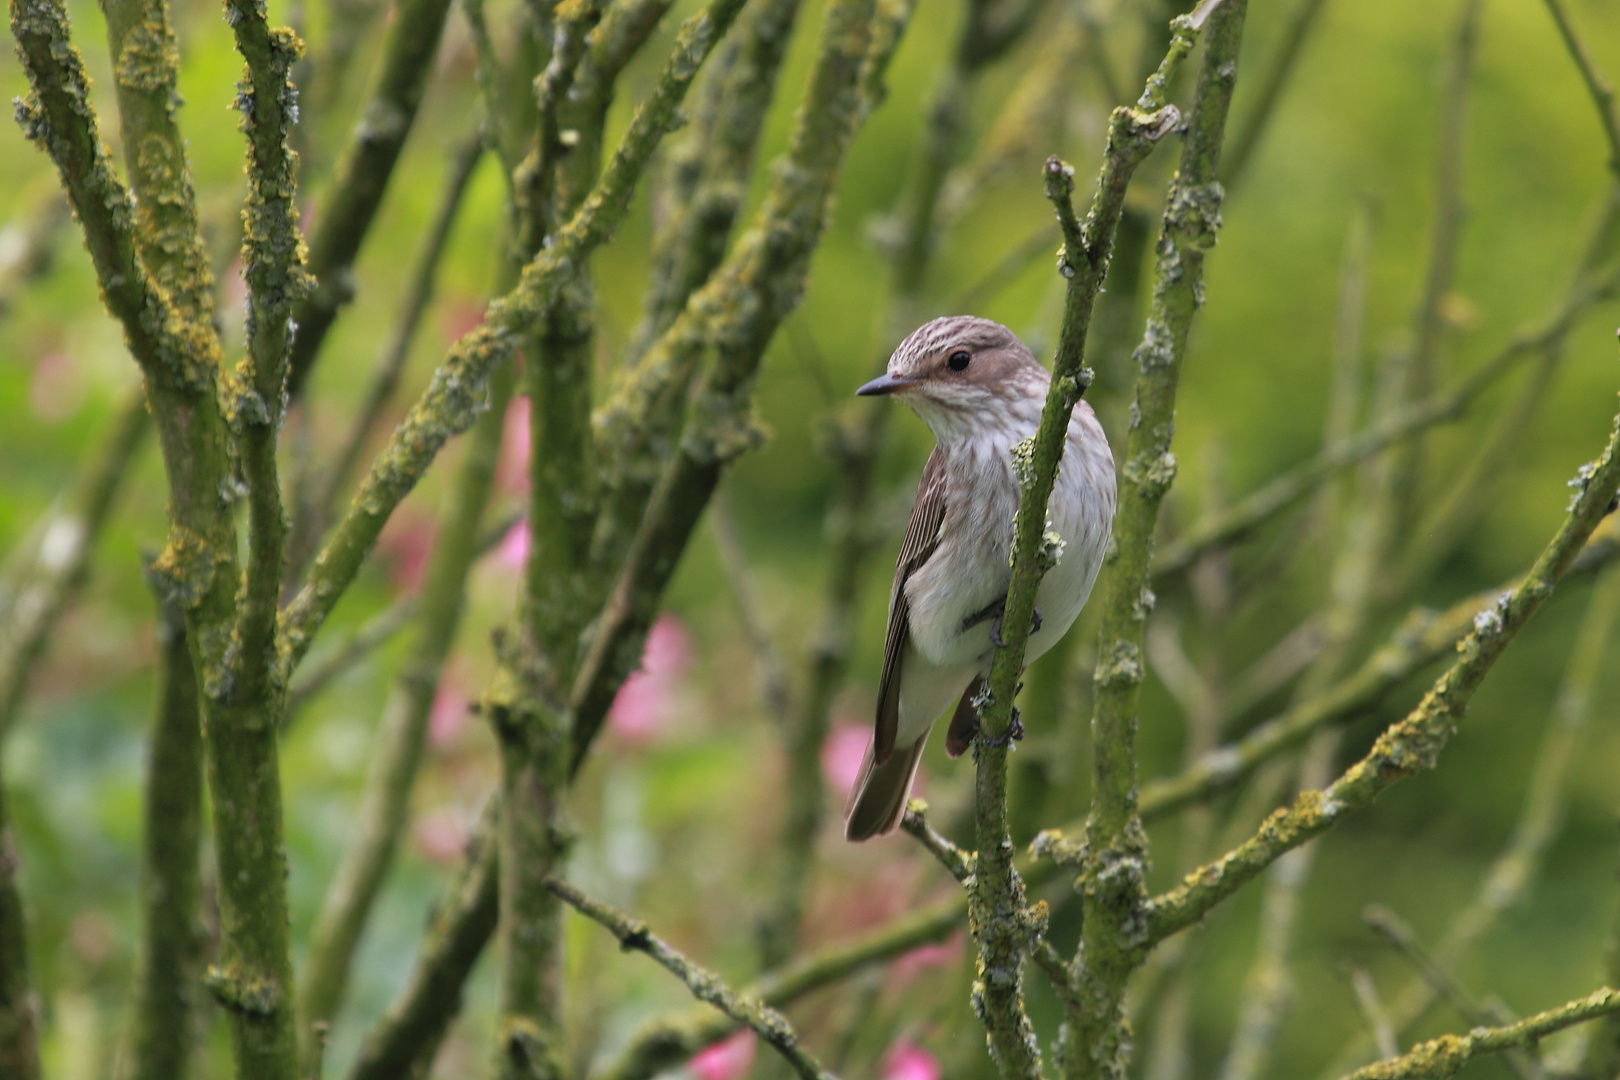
{"type": "Point", "coordinates": [951, 588]}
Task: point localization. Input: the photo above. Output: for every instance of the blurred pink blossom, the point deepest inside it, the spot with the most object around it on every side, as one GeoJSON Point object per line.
{"type": "Point", "coordinates": [729, 1059]}
{"type": "Point", "coordinates": [842, 754]}
{"type": "Point", "coordinates": [908, 1061]}
{"type": "Point", "coordinates": [646, 701]}
{"type": "Point", "coordinates": [449, 714]}
{"type": "Point", "coordinates": [441, 836]}
{"type": "Point", "coordinates": [512, 471]}
{"type": "Point", "coordinates": [942, 954]}
{"type": "Point", "coordinates": [406, 542]}
{"type": "Point", "coordinates": [56, 391]}
{"type": "Point", "coordinates": [514, 550]}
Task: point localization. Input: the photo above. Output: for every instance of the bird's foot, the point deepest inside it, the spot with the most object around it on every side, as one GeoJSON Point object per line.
{"type": "Point", "coordinates": [1014, 732]}
{"type": "Point", "coordinates": [991, 610]}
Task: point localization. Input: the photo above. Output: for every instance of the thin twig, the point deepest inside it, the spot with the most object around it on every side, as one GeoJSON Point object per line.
{"type": "Point", "coordinates": [959, 863]}
{"type": "Point", "coordinates": [1596, 85]}
{"type": "Point", "coordinates": [633, 934]}
{"type": "Point", "coordinates": [1372, 1007]}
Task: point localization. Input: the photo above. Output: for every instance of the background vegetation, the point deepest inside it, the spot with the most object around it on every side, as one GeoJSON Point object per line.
{"type": "Point", "coordinates": [1325, 255]}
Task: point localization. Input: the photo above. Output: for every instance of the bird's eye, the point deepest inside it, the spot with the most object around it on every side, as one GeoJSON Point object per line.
{"type": "Point", "coordinates": [959, 360]}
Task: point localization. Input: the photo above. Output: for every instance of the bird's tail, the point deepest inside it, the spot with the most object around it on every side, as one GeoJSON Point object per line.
{"type": "Point", "coordinates": [880, 795]}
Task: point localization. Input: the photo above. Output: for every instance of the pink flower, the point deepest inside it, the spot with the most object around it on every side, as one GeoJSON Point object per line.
{"type": "Point", "coordinates": [406, 543]}
{"type": "Point", "coordinates": [943, 954]}
{"type": "Point", "coordinates": [842, 755]}
{"type": "Point", "coordinates": [729, 1059]}
{"type": "Point", "coordinates": [514, 550]}
{"type": "Point", "coordinates": [56, 391]}
{"type": "Point", "coordinates": [646, 701]}
{"type": "Point", "coordinates": [908, 1061]}
{"type": "Point", "coordinates": [512, 471]}
{"type": "Point", "coordinates": [440, 836]}
{"type": "Point", "coordinates": [449, 713]}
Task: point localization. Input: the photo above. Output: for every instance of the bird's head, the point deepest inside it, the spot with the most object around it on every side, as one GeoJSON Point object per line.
{"type": "Point", "coordinates": [960, 372]}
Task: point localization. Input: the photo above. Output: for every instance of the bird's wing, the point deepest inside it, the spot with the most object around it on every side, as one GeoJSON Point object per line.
{"type": "Point", "coordinates": [922, 537]}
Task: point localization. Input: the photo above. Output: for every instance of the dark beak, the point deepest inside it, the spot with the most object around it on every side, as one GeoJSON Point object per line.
{"type": "Point", "coordinates": [883, 384]}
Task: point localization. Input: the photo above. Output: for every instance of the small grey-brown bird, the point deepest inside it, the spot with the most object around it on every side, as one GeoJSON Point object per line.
{"type": "Point", "coordinates": [980, 391]}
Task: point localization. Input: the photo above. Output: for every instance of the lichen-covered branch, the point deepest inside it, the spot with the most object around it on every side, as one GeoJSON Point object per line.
{"type": "Point", "coordinates": [1096, 1043]}
{"type": "Point", "coordinates": [456, 396]}
{"type": "Point", "coordinates": [1511, 874]}
{"type": "Point", "coordinates": [997, 910]}
{"type": "Point", "coordinates": [344, 213]}
{"type": "Point", "coordinates": [168, 980]}
{"type": "Point", "coordinates": [1412, 744]}
{"type": "Point", "coordinates": [737, 312]}
{"type": "Point", "coordinates": [198, 568]}
{"type": "Point", "coordinates": [1445, 1056]}
{"type": "Point", "coordinates": [707, 182]}
{"type": "Point", "coordinates": [633, 935]}
{"type": "Point", "coordinates": [273, 268]}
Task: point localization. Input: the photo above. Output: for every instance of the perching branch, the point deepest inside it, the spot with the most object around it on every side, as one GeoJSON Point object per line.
{"type": "Point", "coordinates": [633, 934]}
{"type": "Point", "coordinates": [1110, 884]}
{"type": "Point", "coordinates": [1443, 1057]}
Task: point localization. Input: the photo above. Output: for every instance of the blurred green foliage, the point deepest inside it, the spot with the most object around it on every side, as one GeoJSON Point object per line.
{"type": "Point", "coordinates": [677, 825]}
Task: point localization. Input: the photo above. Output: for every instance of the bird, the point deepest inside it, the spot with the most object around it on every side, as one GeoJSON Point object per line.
{"type": "Point", "coordinates": [980, 391]}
